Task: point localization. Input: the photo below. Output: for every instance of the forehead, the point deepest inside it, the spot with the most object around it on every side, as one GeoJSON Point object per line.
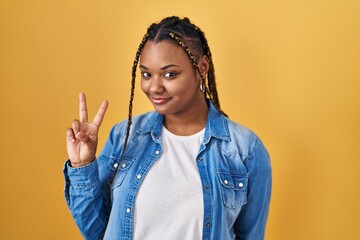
{"type": "Point", "coordinates": [163, 52]}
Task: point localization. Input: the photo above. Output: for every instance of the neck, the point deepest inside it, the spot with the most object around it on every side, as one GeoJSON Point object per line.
{"type": "Point", "coordinates": [188, 123]}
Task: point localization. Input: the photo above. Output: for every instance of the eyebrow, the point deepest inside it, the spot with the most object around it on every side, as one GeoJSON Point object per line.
{"type": "Point", "coordinates": [162, 68]}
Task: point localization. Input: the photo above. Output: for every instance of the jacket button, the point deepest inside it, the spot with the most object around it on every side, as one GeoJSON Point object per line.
{"type": "Point", "coordinates": [207, 186]}
{"type": "Point", "coordinates": [200, 159]}
{"type": "Point", "coordinates": [128, 210]}
{"type": "Point", "coordinates": [226, 182]}
{"type": "Point", "coordinates": [124, 165]}
{"type": "Point", "coordinates": [208, 224]}
{"type": "Point", "coordinates": [241, 184]}
{"type": "Point", "coordinates": [116, 165]}
{"type": "Point", "coordinates": [157, 152]}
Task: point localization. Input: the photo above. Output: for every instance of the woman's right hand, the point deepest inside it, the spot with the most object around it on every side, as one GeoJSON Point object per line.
{"type": "Point", "coordinates": [82, 137]}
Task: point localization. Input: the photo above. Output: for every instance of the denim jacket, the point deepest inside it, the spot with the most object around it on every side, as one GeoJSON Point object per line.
{"type": "Point", "coordinates": [234, 169]}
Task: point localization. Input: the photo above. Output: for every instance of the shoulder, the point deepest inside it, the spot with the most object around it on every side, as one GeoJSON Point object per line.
{"type": "Point", "coordinates": [245, 139]}
{"type": "Point", "coordinates": [241, 133]}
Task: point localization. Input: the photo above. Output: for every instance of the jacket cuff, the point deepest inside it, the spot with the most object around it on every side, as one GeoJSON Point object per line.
{"type": "Point", "coordinates": [82, 177]}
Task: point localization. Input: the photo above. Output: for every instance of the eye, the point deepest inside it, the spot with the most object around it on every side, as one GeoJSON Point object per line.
{"type": "Point", "coordinates": [170, 75]}
{"type": "Point", "coordinates": [145, 74]}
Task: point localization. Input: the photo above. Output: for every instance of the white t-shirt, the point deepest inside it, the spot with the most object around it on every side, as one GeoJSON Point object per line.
{"type": "Point", "coordinates": [169, 204]}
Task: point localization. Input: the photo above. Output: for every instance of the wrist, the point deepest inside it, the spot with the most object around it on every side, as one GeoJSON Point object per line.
{"type": "Point", "coordinates": [82, 164]}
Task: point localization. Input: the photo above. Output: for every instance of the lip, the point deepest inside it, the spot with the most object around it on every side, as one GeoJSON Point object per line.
{"type": "Point", "coordinates": [159, 100]}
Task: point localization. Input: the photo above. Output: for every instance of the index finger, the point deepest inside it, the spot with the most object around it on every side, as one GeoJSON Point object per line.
{"type": "Point", "coordinates": [83, 114]}
{"type": "Point", "coordinates": [100, 114]}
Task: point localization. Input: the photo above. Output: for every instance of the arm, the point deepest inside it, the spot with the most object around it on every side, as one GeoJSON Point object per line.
{"type": "Point", "coordinates": [251, 222]}
{"type": "Point", "coordinates": [83, 187]}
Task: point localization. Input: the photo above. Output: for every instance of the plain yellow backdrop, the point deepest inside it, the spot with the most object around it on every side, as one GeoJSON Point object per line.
{"type": "Point", "coordinates": [287, 69]}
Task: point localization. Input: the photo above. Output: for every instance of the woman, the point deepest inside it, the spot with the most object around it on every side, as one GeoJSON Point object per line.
{"type": "Point", "coordinates": [184, 171]}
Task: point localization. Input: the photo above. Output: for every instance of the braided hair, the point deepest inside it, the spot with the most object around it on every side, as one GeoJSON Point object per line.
{"type": "Point", "coordinates": [193, 41]}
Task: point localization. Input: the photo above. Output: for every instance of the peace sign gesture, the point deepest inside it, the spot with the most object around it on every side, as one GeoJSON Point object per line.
{"type": "Point", "coordinates": [82, 137]}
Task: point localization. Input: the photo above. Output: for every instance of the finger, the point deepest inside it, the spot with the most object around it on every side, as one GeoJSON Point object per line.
{"type": "Point", "coordinates": [70, 136]}
{"type": "Point", "coordinates": [83, 137]}
{"type": "Point", "coordinates": [100, 114]}
{"type": "Point", "coordinates": [76, 126]}
{"type": "Point", "coordinates": [83, 114]}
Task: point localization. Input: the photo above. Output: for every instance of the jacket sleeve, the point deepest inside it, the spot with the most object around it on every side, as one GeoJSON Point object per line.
{"type": "Point", "coordinates": [250, 223]}
{"type": "Point", "coordinates": [87, 193]}
{"type": "Point", "coordinates": [84, 198]}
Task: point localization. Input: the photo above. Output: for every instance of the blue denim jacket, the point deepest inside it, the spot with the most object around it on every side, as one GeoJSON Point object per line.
{"type": "Point", "coordinates": [234, 169]}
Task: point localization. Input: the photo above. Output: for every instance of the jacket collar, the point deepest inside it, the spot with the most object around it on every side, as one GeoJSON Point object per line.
{"type": "Point", "coordinates": [216, 125]}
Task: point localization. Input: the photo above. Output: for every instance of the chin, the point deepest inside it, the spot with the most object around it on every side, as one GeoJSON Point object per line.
{"type": "Point", "coordinates": [161, 111]}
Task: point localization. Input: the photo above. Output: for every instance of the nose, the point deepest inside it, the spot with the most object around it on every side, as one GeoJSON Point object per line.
{"type": "Point", "coordinates": [156, 86]}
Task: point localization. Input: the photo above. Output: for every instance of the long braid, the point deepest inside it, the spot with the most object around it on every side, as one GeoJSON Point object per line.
{"type": "Point", "coordinates": [134, 67]}
{"type": "Point", "coordinates": [213, 95]}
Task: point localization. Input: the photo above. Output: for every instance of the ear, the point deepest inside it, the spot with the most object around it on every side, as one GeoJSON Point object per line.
{"type": "Point", "coordinates": [204, 65]}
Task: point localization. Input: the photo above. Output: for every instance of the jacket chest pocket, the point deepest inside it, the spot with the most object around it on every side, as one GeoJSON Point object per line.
{"type": "Point", "coordinates": [233, 189]}
{"type": "Point", "coordinates": [122, 169]}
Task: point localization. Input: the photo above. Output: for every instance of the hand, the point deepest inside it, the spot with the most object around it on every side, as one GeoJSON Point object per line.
{"type": "Point", "coordinates": [82, 138]}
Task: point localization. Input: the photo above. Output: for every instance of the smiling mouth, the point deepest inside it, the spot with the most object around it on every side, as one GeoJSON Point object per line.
{"type": "Point", "coordinates": [159, 101]}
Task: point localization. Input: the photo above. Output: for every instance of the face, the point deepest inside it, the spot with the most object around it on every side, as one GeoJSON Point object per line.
{"type": "Point", "coordinates": [169, 80]}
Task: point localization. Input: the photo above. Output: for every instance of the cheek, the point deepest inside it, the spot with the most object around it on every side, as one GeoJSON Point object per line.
{"type": "Point", "coordinates": [181, 88]}
{"type": "Point", "coordinates": [144, 86]}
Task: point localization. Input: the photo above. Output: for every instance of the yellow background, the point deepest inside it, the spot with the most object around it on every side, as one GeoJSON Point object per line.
{"type": "Point", "coordinates": [287, 69]}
